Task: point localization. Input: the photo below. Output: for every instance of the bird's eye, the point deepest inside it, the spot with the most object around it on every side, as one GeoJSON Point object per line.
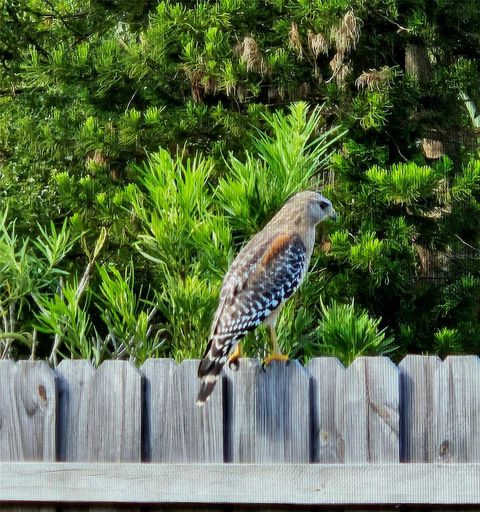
{"type": "Point", "coordinates": [323, 204]}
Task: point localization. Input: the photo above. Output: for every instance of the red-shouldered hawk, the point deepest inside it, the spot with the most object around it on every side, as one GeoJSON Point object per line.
{"type": "Point", "coordinates": [265, 273]}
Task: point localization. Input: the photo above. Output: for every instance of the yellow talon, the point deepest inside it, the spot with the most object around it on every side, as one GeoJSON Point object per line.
{"type": "Point", "coordinates": [275, 356]}
{"type": "Point", "coordinates": [235, 356]}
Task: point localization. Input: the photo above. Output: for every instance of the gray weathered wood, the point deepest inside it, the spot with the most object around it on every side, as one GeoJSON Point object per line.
{"type": "Point", "coordinates": [27, 416]}
{"type": "Point", "coordinates": [74, 392]}
{"type": "Point", "coordinates": [268, 413]}
{"type": "Point", "coordinates": [74, 379]}
{"type": "Point", "coordinates": [113, 412]}
{"type": "Point", "coordinates": [328, 425]}
{"type": "Point", "coordinates": [457, 410]}
{"type": "Point", "coordinates": [417, 375]}
{"type": "Point", "coordinates": [176, 429]}
{"type": "Point", "coordinates": [372, 419]}
{"type": "Point", "coordinates": [294, 484]}
{"type": "Point", "coordinates": [27, 411]}
{"type": "Point", "coordinates": [274, 418]}
{"type": "Point", "coordinates": [100, 412]}
{"type": "Point", "coordinates": [10, 446]}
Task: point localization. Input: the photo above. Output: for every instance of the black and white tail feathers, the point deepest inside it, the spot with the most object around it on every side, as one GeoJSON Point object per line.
{"type": "Point", "coordinates": [211, 365]}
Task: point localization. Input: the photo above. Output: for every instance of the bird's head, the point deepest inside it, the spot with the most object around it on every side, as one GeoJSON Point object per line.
{"type": "Point", "coordinates": [316, 207]}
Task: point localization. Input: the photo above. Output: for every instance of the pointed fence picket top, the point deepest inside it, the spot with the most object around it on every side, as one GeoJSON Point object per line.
{"type": "Point", "coordinates": [176, 428]}
{"type": "Point", "coordinates": [74, 378]}
{"type": "Point", "coordinates": [328, 419]}
{"type": "Point", "coordinates": [27, 416]}
{"type": "Point", "coordinates": [417, 375]}
{"type": "Point", "coordinates": [457, 410]}
{"type": "Point", "coordinates": [115, 413]}
{"type": "Point", "coordinates": [74, 394]}
{"type": "Point", "coordinates": [348, 419]}
{"type": "Point", "coordinates": [268, 413]}
{"type": "Point", "coordinates": [27, 411]}
{"type": "Point", "coordinates": [106, 414]}
{"type": "Point", "coordinates": [372, 416]}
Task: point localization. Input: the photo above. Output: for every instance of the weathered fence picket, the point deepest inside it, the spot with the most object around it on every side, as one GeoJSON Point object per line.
{"type": "Point", "coordinates": [327, 406]}
{"type": "Point", "coordinates": [27, 411]}
{"type": "Point", "coordinates": [177, 430]}
{"type": "Point", "coordinates": [371, 397]}
{"type": "Point", "coordinates": [457, 405]}
{"type": "Point", "coordinates": [307, 432]}
{"type": "Point", "coordinates": [27, 416]}
{"type": "Point", "coordinates": [417, 413]}
{"type": "Point", "coordinates": [102, 413]}
{"type": "Point", "coordinates": [74, 378]}
{"type": "Point", "coordinates": [268, 413]}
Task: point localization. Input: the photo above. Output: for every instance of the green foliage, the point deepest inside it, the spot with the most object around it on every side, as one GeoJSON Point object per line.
{"type": "Point", "coordinates": [466, 185]}
{"type": "Point", "coordinates": [28, 269]}
{"type": "Point", "coordinates": [89, 89]}
{"type": "Point", "coordinates": [408, 239]}
{"type": "Point", "coordinates": [347, 334]}
{"type": "Point", "coordinates": [64, 316]}
{"type": "Point", "coordinates": [291, 158]}
{"type": "Point", "coordinates": [127, 315]}
{"type": "Point", "coordinates": [187, 306]}
{"type": "Point", "coordinates": [297, 332]}
{"type": "Point", "coordinates": [181, 127]}
{"type": "Point", "coordinates": [176, 210]}
{"type": "Point", "coordinates": [447, 341]}
{"type": "Point", "coordinates": [187, 242]}
{"type": "Point", "coordinates": [404, 184]}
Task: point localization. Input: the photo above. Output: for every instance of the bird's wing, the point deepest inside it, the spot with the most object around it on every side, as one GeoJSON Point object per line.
{"type": "Point", "coordinates": [264, 274]}
{"type": "Point", "coordinates": [258, 281]}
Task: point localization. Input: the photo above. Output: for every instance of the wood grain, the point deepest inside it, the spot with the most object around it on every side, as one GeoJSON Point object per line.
{"type": "Point", "coordinates": [269, 424]}
{"type": "Point", "coordinates": [113, 412]}
{"type": "Point", "coordinates": [268, 413]}
{"type": "Point", "coordinates": [372, 416]}
{"type": "Point", "coordinates": [457, 410]}
{"type": "Point", "coordinates": [417, 407]}
{"type": "Point", "coordinates": [27, 416]}
{"type": "Point", "coordinates": [176, 429]}
{"type": "Point", "coordinates": [328, 415]}
{"type": "Point", "coordinates": [256, 484]}
{"type": "Point", "coordinates": [74, 390]}
{"type": "Point", "coordinates": [27, 411]}
{"type": "Point", "coordinates": [100, 413]}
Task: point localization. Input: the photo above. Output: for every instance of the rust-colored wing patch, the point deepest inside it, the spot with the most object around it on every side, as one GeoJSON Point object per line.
{"type": "Point", "coordinates": [276, 247]}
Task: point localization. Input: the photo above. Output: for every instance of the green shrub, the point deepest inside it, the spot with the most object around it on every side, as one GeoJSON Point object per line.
{"type": "Point", "coordinates": [346, 333]}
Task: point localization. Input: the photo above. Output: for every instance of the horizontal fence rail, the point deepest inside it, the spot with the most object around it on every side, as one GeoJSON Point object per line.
{"type": "Point", "coordinates": [323, 434]}
{"type": "Point", "coordinates": [242, 484]}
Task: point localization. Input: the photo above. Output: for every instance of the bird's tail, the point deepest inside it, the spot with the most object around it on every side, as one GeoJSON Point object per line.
{"type": "Point", "coordinates": [211, 365]}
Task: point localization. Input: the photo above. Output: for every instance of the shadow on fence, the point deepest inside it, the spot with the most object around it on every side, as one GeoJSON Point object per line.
{"type": "Point", "coordinates": [422, 410]}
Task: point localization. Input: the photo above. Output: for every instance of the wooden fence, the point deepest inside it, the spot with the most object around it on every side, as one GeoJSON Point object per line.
{"type": "Point", "coordinates": [374, 433]}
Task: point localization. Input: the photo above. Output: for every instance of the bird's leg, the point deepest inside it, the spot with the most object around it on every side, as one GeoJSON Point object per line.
{"type": "Point", "coordinates": [235, 356]}
{"type": "Point", "coordinates": [276, 354]}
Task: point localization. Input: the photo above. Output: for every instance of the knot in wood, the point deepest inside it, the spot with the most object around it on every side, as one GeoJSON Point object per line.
{"type": "Point", "coordinates": [444, 448]}
{"type": "Point", "coordinates": [42, 393]}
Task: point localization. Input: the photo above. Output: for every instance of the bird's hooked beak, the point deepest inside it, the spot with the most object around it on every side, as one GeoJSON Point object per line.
{"type": "Point", "coordinates": [333, 216]}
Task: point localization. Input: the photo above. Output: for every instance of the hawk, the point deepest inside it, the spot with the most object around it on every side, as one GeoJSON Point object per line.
{"type": "Point", "coordinates": [265, 273]}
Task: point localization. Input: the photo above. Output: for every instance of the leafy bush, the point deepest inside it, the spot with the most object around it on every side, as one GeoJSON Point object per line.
{"type": "Point", "coordinates": [191, 231]}
{"type": "Point", "coordinates": [28, 269]}
{"type": "Point", "coordinates": [347, 334]}
{"type": "Point", "coordinates": [286, 158]}
{"type": "Point", "coordinates": [179, 128]}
